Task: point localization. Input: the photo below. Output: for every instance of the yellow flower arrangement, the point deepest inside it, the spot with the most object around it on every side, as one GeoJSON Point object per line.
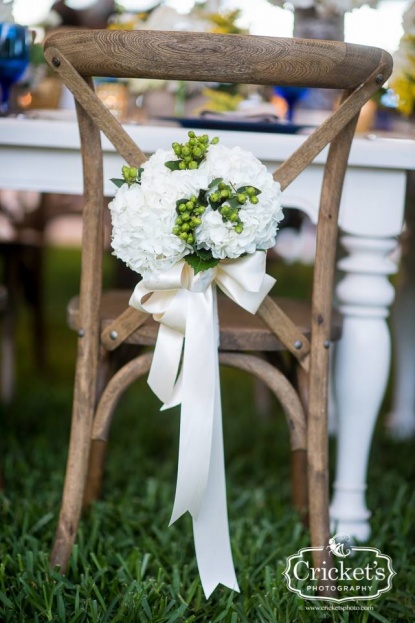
{"type": "Point", "coordinates": [403, 77]}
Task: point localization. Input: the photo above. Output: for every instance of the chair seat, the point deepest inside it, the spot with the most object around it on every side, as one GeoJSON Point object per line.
{"type": "Point", "coordinates": [239, 330]}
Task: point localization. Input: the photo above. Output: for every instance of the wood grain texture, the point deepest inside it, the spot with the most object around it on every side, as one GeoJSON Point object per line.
{"type": "Point", "coordinates": [239, 330]}
{"type": "Point", "coordinates": [88, 357]}
{"type": "Point", "coordinates": [122, 327]}
{"type": "Point", "coordinates": [214, 57]}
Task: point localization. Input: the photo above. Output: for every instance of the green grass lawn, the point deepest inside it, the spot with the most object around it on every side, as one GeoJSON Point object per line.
{"type": "Point", "coordinates": [128, 565]}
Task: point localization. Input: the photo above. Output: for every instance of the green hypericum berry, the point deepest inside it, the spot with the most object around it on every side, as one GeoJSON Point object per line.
{"type": "Point", "coordinates": [233, 217]}
{"type": "Point", "coordinates": [239, 229]}
{"type": "Point", "coordinates": [221, 185]}
{"type": "Point", "coordinates": [195, 222]}
{"type": "Point", "coordinates": [185, 227]}
{"type": "Point", "coordinates": [192, 153]}
{"type": "Point", "coordinates": [189, 205]}
{"type": "Point", "coordinates": [130, 174]}
{"type": "Point", "coordinates": [215, 140]}
{"type": "Point", "coordinates": [241, 198]}
{"type": "Point", "coordinates": [225, 210]}
{"type": "Point", "coordinates": [254, 199]}
{"type": "Point", "coordinates": [215, 197]}
{"type": "Point", "coordinates": [190, 239]}
{"type": "Point", "coordinates": [224, 193]}
{"type": "Point", "coordinates": [178, 221]}
{"type": "Point", "coordinates": [250, 191]}
{"type": "Point", "coordinates": [176, 230]}
{"type": "Point", "coordinates": [182, 207]}
{"type": "Point", "coordinates": [186, 217]}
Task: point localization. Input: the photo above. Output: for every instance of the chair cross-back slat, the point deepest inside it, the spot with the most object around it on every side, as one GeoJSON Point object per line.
{"type": "Point", "coordinates": [98, 112]}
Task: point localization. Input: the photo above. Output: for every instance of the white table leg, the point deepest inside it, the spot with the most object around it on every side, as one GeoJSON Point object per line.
{"type": "Point", "coordinates": [401, 420]}
{"type": "Point", "coordinates": [361, 373]}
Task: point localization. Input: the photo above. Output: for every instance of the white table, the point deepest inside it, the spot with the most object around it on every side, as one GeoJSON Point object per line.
{"type": "Point", "coordinates": [41, 154]}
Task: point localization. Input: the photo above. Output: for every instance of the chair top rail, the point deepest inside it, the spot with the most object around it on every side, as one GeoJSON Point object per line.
{"type": "Point", "coordinates": [246, 59]}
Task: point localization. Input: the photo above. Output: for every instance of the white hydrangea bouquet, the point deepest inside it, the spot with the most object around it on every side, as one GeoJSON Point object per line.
{"type": "Point", "coordinates": [199, 201]}
{"type": "Point", "coordinates": [193, 218]}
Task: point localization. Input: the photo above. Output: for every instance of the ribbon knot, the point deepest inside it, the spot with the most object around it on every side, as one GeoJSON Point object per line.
{"type": "Point", "coordinates": [185, 370]}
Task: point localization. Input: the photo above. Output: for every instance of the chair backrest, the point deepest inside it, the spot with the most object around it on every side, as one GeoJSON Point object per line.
{"type": "Point", "coordinates": [358, 70]}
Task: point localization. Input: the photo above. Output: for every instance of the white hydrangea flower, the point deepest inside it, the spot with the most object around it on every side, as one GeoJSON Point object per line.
{"type": "Point", "coordinates": [143, 215]}
{"type": "Point", "coordinates": [260, 221]}
{"type": "Point", "coordinates": [142, 231]}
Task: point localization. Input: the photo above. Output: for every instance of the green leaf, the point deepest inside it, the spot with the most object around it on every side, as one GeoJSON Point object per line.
{"type": "Point", "coordinates": [200, 261]}
{"type": "Point", "coordinates": [215, 182]}
{"type": "Point", "coordinates": [139, 174]}
{"type": "Point", "coordinates": [173, 165]}
{"type": "Point", "coordinates": [118, 182]}
{"type": "Point", "coordinates": [242, 189]}
{"type": "Point", "coordinates": [234, 203]}
{"type": "Point", "coordinates": [184, 200]}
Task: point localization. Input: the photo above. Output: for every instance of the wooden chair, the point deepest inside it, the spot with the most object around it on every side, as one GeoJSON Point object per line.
{"type": "Point", "coordinates": [102, 320]}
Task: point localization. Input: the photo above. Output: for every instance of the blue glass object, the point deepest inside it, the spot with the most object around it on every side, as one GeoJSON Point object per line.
{"type": "Point", "coordinates": [291, 95]}
{"type": "Point", "coordinates": [15, 44]}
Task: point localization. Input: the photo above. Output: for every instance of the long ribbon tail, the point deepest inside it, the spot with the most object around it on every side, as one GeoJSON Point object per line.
{"type": "Point", "coordinates": [197, 408]}
{"type": "Point", "coordinates": [210, 528]}
{"type": "Point", "coordinates": [201, 487]}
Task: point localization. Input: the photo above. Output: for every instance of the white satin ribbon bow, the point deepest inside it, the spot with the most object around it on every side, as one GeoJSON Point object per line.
{"type": "Point", "coordinates": [185, 305]}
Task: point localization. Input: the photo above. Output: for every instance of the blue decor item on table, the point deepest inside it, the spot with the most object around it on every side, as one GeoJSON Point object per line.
{"type": "Point", "coordinates": [292, 95]}
{"type": "Point", "coordinates": [15, 44]}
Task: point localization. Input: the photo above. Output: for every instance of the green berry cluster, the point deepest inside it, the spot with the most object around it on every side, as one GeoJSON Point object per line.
{"type": "Point", "coordinates": [192, 153]}
{"type": "Point", "coordinates": [189, 212]}
{"type": "Point", "coordinates": [229, 201]}
{"type": "Point", "coordinates": [130, 174]}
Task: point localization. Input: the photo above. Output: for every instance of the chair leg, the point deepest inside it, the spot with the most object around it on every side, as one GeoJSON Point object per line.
{"type": "Point", "coordinates": [318, 496]}
{"type": "Point", "coordinates": [77, 464]}
{"type": "Point", "coordinates": [107, 366]}
{"type": "Point", "coordinates": [299, 482]}
{"type": "Point", "coordinates": [93, 485]}
{"type": "Point", "coordinates": [301, 382]}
